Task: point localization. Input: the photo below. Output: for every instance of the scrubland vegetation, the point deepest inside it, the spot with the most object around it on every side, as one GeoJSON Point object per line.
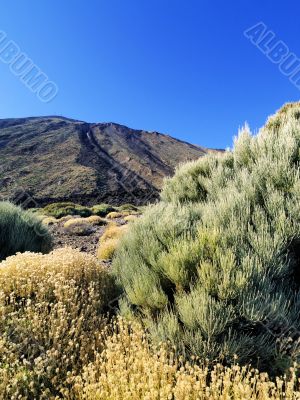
{"type": "Point", "coordinates": [82, 226]}
{"type": "Point", "coordinates": [202, 300]}
{"type": "Point", "coordinates": [59, 210]}
{"type": "Point", "coordinates": [21, 231]}
{"type": "Point", "coordinates": [214, 267]}
{"type": "Point", "coordinates": [66, 209]}
{"type": "Point", "coordinates": [130, 367]}
{"type": "Point", "coordinates": [58, 341]}
{"type": "Point", "coordinates": [110, 240]}
{"type": "Point", "coordinates": [53, 308]}
{"type": "Point", "coordinates": [102, 209]}
{"type": "Point", "coordinates": [130, 218]}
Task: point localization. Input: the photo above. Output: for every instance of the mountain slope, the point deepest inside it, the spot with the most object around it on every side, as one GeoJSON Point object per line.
{"type": "Point", "coordinates": [46, 159]}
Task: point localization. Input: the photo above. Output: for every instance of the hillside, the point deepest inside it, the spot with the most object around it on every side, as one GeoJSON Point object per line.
{"type": "Point", "coordinates": [51, 159]}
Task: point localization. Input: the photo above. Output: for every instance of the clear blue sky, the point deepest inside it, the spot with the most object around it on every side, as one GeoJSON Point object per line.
{"type": "Point", "coordinates": [181, 67]}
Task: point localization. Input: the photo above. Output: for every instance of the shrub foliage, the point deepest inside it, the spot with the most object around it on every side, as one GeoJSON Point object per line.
{"type": "Point", "coordinates": [131, 368]}
{"type": "Point", "coordinates": [21, 231]}
{"type": "Point", "coordinates": [102, 209]}
{"type": "Point", "coordinates": [215, 266]}
{"type": "Point", "coordinates": [57, 342]}
{"type": "Point", "coordinates": [59, 210]}
{"type": "Point", "coordinates": [110, 240]}
{"type": "Point", "coordinates": [53, 310]}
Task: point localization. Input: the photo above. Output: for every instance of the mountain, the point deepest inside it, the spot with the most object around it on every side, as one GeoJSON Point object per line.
{"type": "Point", "coordinates": [47, 159]}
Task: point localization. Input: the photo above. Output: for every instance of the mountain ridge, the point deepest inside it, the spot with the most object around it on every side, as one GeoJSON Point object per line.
{"type": "Point", "coordinates": [107, 123]}
{"type": "Point", "coordinates": [54, 158]}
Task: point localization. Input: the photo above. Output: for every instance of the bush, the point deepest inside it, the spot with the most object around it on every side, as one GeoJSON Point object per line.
{"type": "Point", "coordinates": [127, 207]}
{"type": "Point", "coordinates": [113, 231]}
{"type": "Point", "coordinates": [130, 218]}
{"type": "Point", "coordinates": [131, 368]}
{"type": "Point", "coordinates": [214, 267]}
{"type": "Point", "coordinates": [102, 209]}
{"type": "Point", "coordinates": [49, 220]}
{"type": "Point", "coordinates": [53, 312]}
{"type": "Point", "coordinates": [58, 210]}
{"type": "Point", "coordinates": [83, 226]}
{"type": "Point", "coordinates": [96, 220]}
{"type": "Point", "coordinates": [117, 214]}
{"type": "Point", "coordinates": [64, 219]}
{"type": "Point", "coordinates": [21, 231]}
{"type": "Point", "coordinates": [79, 227]}
{"type": "Point", "coordinates": [109, 241]}
{"type": "Point", "coordinates": [107, 249]}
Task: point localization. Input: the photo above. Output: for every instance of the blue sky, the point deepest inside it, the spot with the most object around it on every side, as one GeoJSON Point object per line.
{"type": "Point", "coordinates": [181, 67]}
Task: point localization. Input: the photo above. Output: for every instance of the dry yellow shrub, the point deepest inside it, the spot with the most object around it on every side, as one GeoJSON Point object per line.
{"type": "Point", "coordinates": [26, 273]}
{"type": "Point", "coordinates": [109, 241]}
{"type": "Point", "coordinates": [74, 221]}
{"type": "Point", "coordinates": [113, 231]}
{"type": "Point", "coordinates": [130, 368]}
{"type": "Point", "coordinates": [65, 218]}
{"type": "Point", "coordinates": [117, 214]}
{"type": "Point", "coordinates": [92, 220]}
{"type": "Point", "coordinates": [106, 250]}
{"type": "Point", "coordinates": [78, 226]}
{"type": "Point", "coordinates": [56, 343]}
{"type": "Point", "coordinates": [96, 220]}
{"type": "Point", "coordinates": [49, 220]}
{"type": "Point", "coordinates": [130, 218]}
{"type": "Point", "coordinates": [52, 312]}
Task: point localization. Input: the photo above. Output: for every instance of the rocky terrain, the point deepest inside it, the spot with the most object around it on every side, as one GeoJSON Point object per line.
{"type": "Point", "coordinates": [48, 159]}
{"type": "Point", "coordinates": [87, 243]}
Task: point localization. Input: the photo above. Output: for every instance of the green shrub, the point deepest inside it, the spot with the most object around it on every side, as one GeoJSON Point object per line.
{"type": "Point", "coordinates": [21, 231]}
{"type": "Point", "coordinates": [102, 209]}
{"type": "Point", "coordinates": [215, 266]}
{"type": "Point", "coordinates": [127, 207]}
{"type": "Point", "coordinates": [59, 210]}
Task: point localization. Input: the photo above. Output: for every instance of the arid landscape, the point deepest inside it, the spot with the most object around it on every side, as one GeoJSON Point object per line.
{"type": "Point", "coordinates": [149, 200]}
{"type": "Point", "coordinates": [192, 296]}
{"type": "Point", "coordinates": [57, 159]}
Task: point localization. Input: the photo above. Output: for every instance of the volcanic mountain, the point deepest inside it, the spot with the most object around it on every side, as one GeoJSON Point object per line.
{"type": "Point", "coordinates": [48, 159]}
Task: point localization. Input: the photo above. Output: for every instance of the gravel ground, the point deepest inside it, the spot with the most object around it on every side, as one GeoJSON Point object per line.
{"type": "Point", "coordinates": [87, 243]}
